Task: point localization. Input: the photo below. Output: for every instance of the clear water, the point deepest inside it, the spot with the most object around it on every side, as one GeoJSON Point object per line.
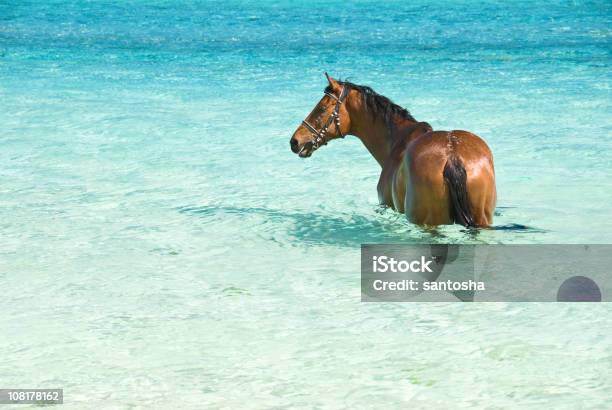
{"type": "Point", "coordinates": [161, 246]}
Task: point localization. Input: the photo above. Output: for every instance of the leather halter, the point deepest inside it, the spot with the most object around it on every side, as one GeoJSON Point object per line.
{"type": "Point", "coordinates": [319, 136]}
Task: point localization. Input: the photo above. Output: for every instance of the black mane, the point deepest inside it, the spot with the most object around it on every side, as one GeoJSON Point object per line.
{"type": "Point", "coordinates": [378, 105]}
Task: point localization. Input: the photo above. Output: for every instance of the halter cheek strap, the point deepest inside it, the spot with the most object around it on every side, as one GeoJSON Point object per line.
{"type": "Point", "coordinates": [318, 136]}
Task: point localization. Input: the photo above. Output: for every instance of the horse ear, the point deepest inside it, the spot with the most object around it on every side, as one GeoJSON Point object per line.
{"type": "Point", "coordinates": [332, 83]}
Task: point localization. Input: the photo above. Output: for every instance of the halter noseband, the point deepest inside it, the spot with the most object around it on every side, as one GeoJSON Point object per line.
{"type": "Point", "coordinates": [319, 136]}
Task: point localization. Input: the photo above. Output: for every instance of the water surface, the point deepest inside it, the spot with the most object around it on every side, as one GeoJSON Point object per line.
{"type": "Point", "coordinates": [161, 246]}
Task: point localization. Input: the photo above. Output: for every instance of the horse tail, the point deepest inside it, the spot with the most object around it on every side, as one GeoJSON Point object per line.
{"type": "Point", "coordinates": [456, 180]}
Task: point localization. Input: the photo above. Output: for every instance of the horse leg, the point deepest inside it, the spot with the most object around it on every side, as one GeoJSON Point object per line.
{"type": "Point", "coordinates": [399, 189]}
{"type": "Point", "coordinates": [384, 192]}
{"type": "Point", "coordinates": [482, 197]}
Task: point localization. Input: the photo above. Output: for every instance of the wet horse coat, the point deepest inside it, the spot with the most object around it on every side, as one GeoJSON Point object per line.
{"type": "Point", "coordinates": [434, 177]}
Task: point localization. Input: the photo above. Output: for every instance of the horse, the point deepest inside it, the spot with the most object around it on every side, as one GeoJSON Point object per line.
{"type": "Point", "coordinates": [434, 177]}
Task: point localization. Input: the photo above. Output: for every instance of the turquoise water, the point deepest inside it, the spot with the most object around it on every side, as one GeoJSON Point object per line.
{"type": "Point", "coordinates": [162, 247]}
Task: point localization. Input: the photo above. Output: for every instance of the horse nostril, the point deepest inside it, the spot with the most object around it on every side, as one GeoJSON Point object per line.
{"type": "Point", "coordinates": [294, 145]}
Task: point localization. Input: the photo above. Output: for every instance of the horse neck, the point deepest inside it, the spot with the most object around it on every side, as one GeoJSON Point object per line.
{"type": "Point", "coordinates": [377, 135]}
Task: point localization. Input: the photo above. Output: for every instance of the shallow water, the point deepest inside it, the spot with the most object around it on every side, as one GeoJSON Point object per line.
{"type": "Point", "coordinates": [162, 247]}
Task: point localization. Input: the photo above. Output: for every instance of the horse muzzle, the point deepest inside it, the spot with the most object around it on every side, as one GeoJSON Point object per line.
{"type": "Point", "coordinates": [303, 150]}
{"type": "Point", "coordinates": [306, 150]}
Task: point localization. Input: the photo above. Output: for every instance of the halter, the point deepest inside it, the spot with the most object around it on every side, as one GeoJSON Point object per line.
{"type": "Point", "coordinates": [319, 136]}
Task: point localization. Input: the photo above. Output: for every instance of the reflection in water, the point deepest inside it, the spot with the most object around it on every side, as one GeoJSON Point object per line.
{"type": "Point", "coordinates": [350, 230]}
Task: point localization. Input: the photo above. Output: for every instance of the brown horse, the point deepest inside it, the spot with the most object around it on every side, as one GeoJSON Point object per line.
{"type": "Point", "coordinates": [434, 177]}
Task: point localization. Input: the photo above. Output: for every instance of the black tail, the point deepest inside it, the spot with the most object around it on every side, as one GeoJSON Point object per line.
{"type": "Point", "coordinates": [456, 179]}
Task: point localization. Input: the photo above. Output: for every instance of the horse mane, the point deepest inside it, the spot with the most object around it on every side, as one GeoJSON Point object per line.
{"type": "Point", "coordinates": [376, 104]}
